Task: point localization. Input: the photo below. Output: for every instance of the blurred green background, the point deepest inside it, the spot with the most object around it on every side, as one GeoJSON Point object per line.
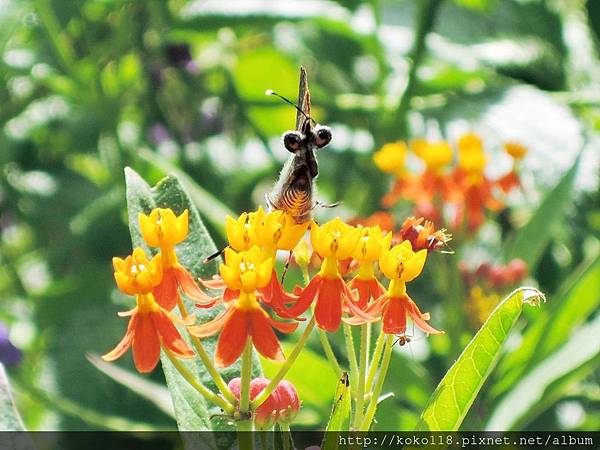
{"type": "Point", "coordinates": [89, 87]}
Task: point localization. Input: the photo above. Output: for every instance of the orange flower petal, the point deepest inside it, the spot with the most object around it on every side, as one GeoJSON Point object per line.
{"type": "Point", "coordinates": [305, 298]}
{"type": "Point", "coordinates": [232, 339]}
{"type": "Point", "coordinates": [170, 337]}
{"type": "Point", "coordinates": [125, 343]}
{"type": "Point", "coordinates": [394, 316]}
{"type": "Point", "coordinates": [328, 309]}
{"type": "Point", "coordinates": [165, 293]}
{"type": "Point", "coordinates": [263, 337]}
{"type": "Point", "coordinates": [146, 345]}
{"type": "Point", "coordinates": [189, 287]}
{"type": "Point", "coordinates": [284, 327]}
{"type": "Point", "coordinates": [210, 328]}
{"type": "Point", "coordinates": [418, 318]}
{"type": "Point", "coordinates": [216, 282]}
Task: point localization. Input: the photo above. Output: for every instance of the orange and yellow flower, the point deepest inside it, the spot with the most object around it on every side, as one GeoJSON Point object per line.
{"type": "Point", "coordinates": [150, 325]}
{"type": "Point", "coordinates": [161, 228]}
{"type": "Point", "coordinates": [371, 244]}
{"type": "Point", "coordinates": [400, 265]}
{"type": "Point", "coordinates": [243, 274]}
{"type": "Point", "coordinates": [335, 241]}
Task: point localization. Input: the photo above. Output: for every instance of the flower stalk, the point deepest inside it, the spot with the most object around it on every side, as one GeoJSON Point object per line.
{"type": "Point", "coordinates": [385, 364]}
{"type": "Point", "coordinates": [285, 368]}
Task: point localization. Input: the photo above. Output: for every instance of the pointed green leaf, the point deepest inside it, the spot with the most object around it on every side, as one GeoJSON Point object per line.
{"type": "Point", "coordinates": [531, 240]}
{"type": "Point", "coordinates": [9, 417]}
{"type": "Point", "coordinates": [191, 410]}
{"type": "Point", "coordinates": [449, 404]}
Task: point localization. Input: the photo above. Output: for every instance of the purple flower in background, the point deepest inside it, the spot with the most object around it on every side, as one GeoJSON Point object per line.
{"type": "Point", "coordinates": [9, 354]}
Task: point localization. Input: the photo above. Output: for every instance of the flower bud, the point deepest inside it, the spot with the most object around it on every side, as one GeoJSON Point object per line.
{"type": "Point", "coordinates": [289, 402]}
{"type": "Point", "coordinates": [517, 270]}
{"type": "Point", "coordinates": [498, 276]}
{"type": "Point", "coordinates": [266, 414]}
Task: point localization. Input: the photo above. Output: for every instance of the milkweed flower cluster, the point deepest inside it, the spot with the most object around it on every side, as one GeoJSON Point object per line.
{"type": "Point", "coordinates": [350, 286]}
{"type": "Point", "coordinates": [463, 185]}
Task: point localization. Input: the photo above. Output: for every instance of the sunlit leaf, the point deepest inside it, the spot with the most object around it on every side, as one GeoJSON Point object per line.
{"type": "Point", "coordinates": [455, 394]}
{"type": "Point", "coordinates": [543, 385]}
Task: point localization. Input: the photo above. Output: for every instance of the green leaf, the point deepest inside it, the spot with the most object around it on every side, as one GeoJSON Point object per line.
{"type": "Point", "coordinates": [316, 385]}
{"type": "Point", "coordinates": [546, 383]}
{"type": "Point", "coordinates": [153, 392]}
{"type": "Point", "coordinates": [340, 413]}
{"type": "Point", "coordinates": [191, 410]}
{"type": "Point", "coordinates": [455, 394]}
{"type": "Point", "coordinates": [9, 417]}
{"type": "Point", "coordinates": [531, 240]}
{"type": "Point", "coordinates": [210, 207]}
{"type": "Point", "coordinates": [572, 307]}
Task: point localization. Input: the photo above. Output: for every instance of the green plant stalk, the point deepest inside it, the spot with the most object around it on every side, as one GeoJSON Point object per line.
{"type": "Point", "coordinates": [329, 353]}
{"type": "Point", "coordinates": [385, 365]}
{"type": "Point", "coordinates": [362, 372]}
{"type": "Point", "coordinates": [260, 398]}
{"type": "Point", "coordinates": [425, 20]}
{"type": "Point", "coordinates": [206, 360]}
{"type": "Point", "coordinates": [351, 358]}
{"type": "Point", "coordinates": [286, 435]}
{"type": "Point", "coordinates": [245, 425]}
{"type": "Point", "coordinates": [203, 390]}
{"type": "Point", "coordinates": [375, 361]}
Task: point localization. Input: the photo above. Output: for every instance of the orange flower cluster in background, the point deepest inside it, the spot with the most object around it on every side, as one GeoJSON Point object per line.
{"type": "Point", "coordinates": [487, 285]}
{"type": "Point", "coordinates": [463, 186]}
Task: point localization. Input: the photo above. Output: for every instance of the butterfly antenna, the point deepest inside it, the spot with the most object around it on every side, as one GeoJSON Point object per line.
{"type": "Point", "coordinates": [270, 92]}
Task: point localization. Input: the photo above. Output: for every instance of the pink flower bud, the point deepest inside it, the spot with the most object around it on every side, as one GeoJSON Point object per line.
{"type": "Point", "coordinates": [289, 402]}
{"type": "Point", "coordinates": [266, 414]}
{"type": "Point", "coordinates": [498, 276]}
{"type": "Point", "coordinates": [517, 270]}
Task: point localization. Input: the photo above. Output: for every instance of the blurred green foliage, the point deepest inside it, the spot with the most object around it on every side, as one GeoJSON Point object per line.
{"type": "Point", "coordinates": [89, 87]}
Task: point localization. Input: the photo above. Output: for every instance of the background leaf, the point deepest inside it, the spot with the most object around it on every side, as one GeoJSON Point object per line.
{"type": "Point", "coordinates": [548, 380]}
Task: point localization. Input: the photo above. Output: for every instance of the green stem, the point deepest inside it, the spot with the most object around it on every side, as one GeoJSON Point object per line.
{"type": "Point", "coordinates": [203, 390]}
{"type": "Point", "coordinates": [285, 368]}
{"type": "Point", "coordinates": [375, 361]}
{"type": "Point", "coordinates": [245, 425]}
{"type": "Point", "coordinates": [206, 359]}
{"type": "Point", "coordinates": [246, 378]}
{"type": "Point", "coordinates": [286, 436]}
{"type": "Point", "coordinates": [385, 364]}
{"type": "Point", "coordinates": [362, 372]}
{"type": "Point", "coordinates": [351, 357]}
{"type": "Point", "coordinates": [425, 19]}
{"type": "Point", "coordinates": [329, 353]}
